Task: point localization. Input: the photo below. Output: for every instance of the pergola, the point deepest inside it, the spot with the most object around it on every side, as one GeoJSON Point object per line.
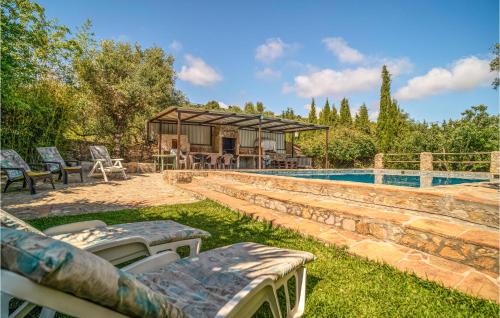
{"type": "Point", "coordinates": [258, 122]}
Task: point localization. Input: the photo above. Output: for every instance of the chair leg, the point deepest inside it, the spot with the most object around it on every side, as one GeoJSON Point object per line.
{"type": "Point", "coordinates": [24, 184]}
{"type": "Point", "coordinates": [65, 177]}
{"type": "Point", "coordinates": [7, 184]}
{"type": "Point", "coordinates": [81, 175]}
{"type": "Point", "coordinates": [31, 185]}
{"type": "Point", "coordinates": [52, 182]}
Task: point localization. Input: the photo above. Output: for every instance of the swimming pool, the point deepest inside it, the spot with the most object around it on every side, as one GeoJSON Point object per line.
{"type": "Point", "coordinates": [368, 176]}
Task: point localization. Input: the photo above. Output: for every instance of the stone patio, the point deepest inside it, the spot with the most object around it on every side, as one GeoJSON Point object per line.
{"type": "Point", "coordinates": [94, 195]}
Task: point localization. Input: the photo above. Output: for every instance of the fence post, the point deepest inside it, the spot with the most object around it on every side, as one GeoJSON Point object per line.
{"type": "Point", "coordinates": [426, 161]}
{"type": "Point", "coordinates": [495, 162]}
{"type": "Point", "coordinates": [379, 161]}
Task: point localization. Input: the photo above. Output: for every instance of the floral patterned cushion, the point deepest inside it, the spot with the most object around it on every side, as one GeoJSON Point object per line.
{"type": "Point", "coordinates": [51, 154]}
{"type": "Point", "coordinates": [9, 158]}
{"type": "Point", "coordinates": [154, 232]}
{"type": "Point", "coordinates": [201, 285]}
{"type": "Point", "coordinates": [66, 268]}
{"type": "Point", "coordinates": [10, 221]}
{"type": "Point", "coordinates": [101, 152]}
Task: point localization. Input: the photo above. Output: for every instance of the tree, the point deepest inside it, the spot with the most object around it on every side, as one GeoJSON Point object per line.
{"type": "Point", "coordinates": [213, 105]}
{"type": "Point", "coordinates": [345, 113]}
{"type": "Point", "coordinates": [234, 109]}
{"type": "Point", "coordinates": [259, 107]}
{"type": "Point", "coordinates": [362, 121]}
{"type": "Point", "coordinates": [334, 116]}
{"type": "Point", "coordinates": [385, 120]}
{"type": "Point", "coordinates": [35, 63]}
{"type": "Point", "coordinates": [495, 65]}
{"type": "Point", "coordinates": [125, 85]}
{"type": "Point", "coordinates": [312, 118]}
{"type": "Point", "coordinates": [325, 114]}
{"type": "Point", "coordinates": [289, 114]}
{"type": "Point", "coordinates": [249, 108]}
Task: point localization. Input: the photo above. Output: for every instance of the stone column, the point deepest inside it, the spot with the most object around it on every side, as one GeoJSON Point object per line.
{"type": "Point", "coordinates": [379, 161]}
{"type": "Point", "coordinates": [426, 161]}
{"type": "Point", "coordinates": [425, 181]}
{"type": "Point", "coordinates": [495, 162]}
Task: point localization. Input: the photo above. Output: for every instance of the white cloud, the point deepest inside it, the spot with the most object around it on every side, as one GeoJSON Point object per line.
{"type": "Point", "coordinates": [271, 50]}
{"type": "Point", "coordinates": [339, 83]}
{"type": "Point", "coordinates": [222, 105]}
{"type": "Point", "coordinates": [268, 73]}
{"type": "Point", "coordinates": [464, 74]}
{"type": "Point", "coordinates": [199, 73]}
{"type": "Point", "coordinates": [342, 50]}
{"type": "Point", "coordinates": [175, 45]}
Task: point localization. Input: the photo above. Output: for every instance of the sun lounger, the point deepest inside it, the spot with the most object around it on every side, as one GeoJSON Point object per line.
{"type": "Point", "coordinates": [231, 281]}
{"type": "Point", "coordinates": [108, 241]}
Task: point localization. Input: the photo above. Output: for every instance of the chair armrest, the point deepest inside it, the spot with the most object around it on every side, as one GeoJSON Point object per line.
{"type": "Point", "coordinates": [74, 227]}
{"type": "Point", "coordinates": [68, 162]}
{"type": "Point", "coordinates": [46, 164]}
{"type": "Point", "coordinates": [152, 263]}
{"type": "Point", "coordinates": [117, 159]}
{"type": "Point", "coordinates": [9, 168]}
{"type": "Point", "coordinates": [121, 250]}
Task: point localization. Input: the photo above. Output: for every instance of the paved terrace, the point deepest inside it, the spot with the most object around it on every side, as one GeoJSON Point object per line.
{"type": "Point", "coordinates": [150, 189]}
{"type": "Point", "coordinates": [140, 190]}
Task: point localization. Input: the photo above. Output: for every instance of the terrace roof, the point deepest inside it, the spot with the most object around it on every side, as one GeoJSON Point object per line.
{"type": "Point", "coordinates": [241, 120]}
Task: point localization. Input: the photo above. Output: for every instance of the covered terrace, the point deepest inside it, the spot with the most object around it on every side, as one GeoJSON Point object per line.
{"type": "Point", "coordinates": [247, 137]}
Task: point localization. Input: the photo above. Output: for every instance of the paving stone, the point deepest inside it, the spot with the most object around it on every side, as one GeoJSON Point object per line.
{"type": "Point", "coordinates": [482, 237]}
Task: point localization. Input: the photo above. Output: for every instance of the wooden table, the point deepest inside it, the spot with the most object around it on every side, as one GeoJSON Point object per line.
{"type": "Point", "coordinates": [160, 160]}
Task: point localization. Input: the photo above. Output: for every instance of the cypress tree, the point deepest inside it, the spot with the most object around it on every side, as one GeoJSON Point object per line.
{"type": "Point", "coordinates": [325, 115]}
{"type": "Point", "coordinates": [313, 119]}
{"type": "Point", "coordinates": [334, 116]}
{"type": "Point", "coordinates": [362, 121]}
{"type": "Point", "coordinates": [260, 107]}
{"type": "Point", "coordinates": [383, 120]}
{"type": "Point", "coordinates": [345, 113]}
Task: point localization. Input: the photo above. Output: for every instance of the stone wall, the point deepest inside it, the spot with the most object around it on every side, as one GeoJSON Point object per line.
{"type": "Point", "coordinates": [431, 200]}
{"type": "Point", "coordinates": [225, 132]}
{"type": "Point", "coordinates": [166, 143]}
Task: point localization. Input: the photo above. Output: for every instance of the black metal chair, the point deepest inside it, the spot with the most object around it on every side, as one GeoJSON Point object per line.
{"type": "Point", "coordinates": [55, 163]}
{"type": "Point", "coordinates": [18, 170]}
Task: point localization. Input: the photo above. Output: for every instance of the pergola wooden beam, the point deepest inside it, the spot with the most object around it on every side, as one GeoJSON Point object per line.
{"type": "Point", "coordinates": [268, 121]}
{"type": "Point", "coordinates": [216, 119]}
{"type": "Point", "coordinates": [241, 121]}
{"type": "Point", "coordinates": [195, 115]}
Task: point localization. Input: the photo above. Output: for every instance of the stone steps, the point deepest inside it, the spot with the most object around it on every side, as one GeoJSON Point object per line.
{"type": "Point", "coordinates": [451, 274]}
{"type": "Point", "coordinates": [467, 243]}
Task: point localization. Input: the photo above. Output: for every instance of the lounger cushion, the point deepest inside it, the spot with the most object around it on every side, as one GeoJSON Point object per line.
{"type": "Point", "coordinates": [66, 268]}
{"type": "Point", "coordinates": [10, 221]}
{"type": "Point", "coordinates": [154, 232]}
{"type": "Point", "coordinates": [201, 285]}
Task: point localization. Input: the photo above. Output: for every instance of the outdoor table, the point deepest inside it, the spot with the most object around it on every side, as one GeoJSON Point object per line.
{"type": "Point", "coordinates": [160, 159]}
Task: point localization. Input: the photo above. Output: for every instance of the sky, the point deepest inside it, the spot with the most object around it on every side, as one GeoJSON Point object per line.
{"type": "Point", "coordinates": [284, 53]}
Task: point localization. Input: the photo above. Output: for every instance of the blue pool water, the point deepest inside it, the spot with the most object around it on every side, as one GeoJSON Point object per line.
{"type": "Point", "coordinates": [369, 177]}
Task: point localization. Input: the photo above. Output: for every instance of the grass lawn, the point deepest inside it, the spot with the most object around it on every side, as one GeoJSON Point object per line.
{"type": "Point", "coordinates": [338, 285]}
